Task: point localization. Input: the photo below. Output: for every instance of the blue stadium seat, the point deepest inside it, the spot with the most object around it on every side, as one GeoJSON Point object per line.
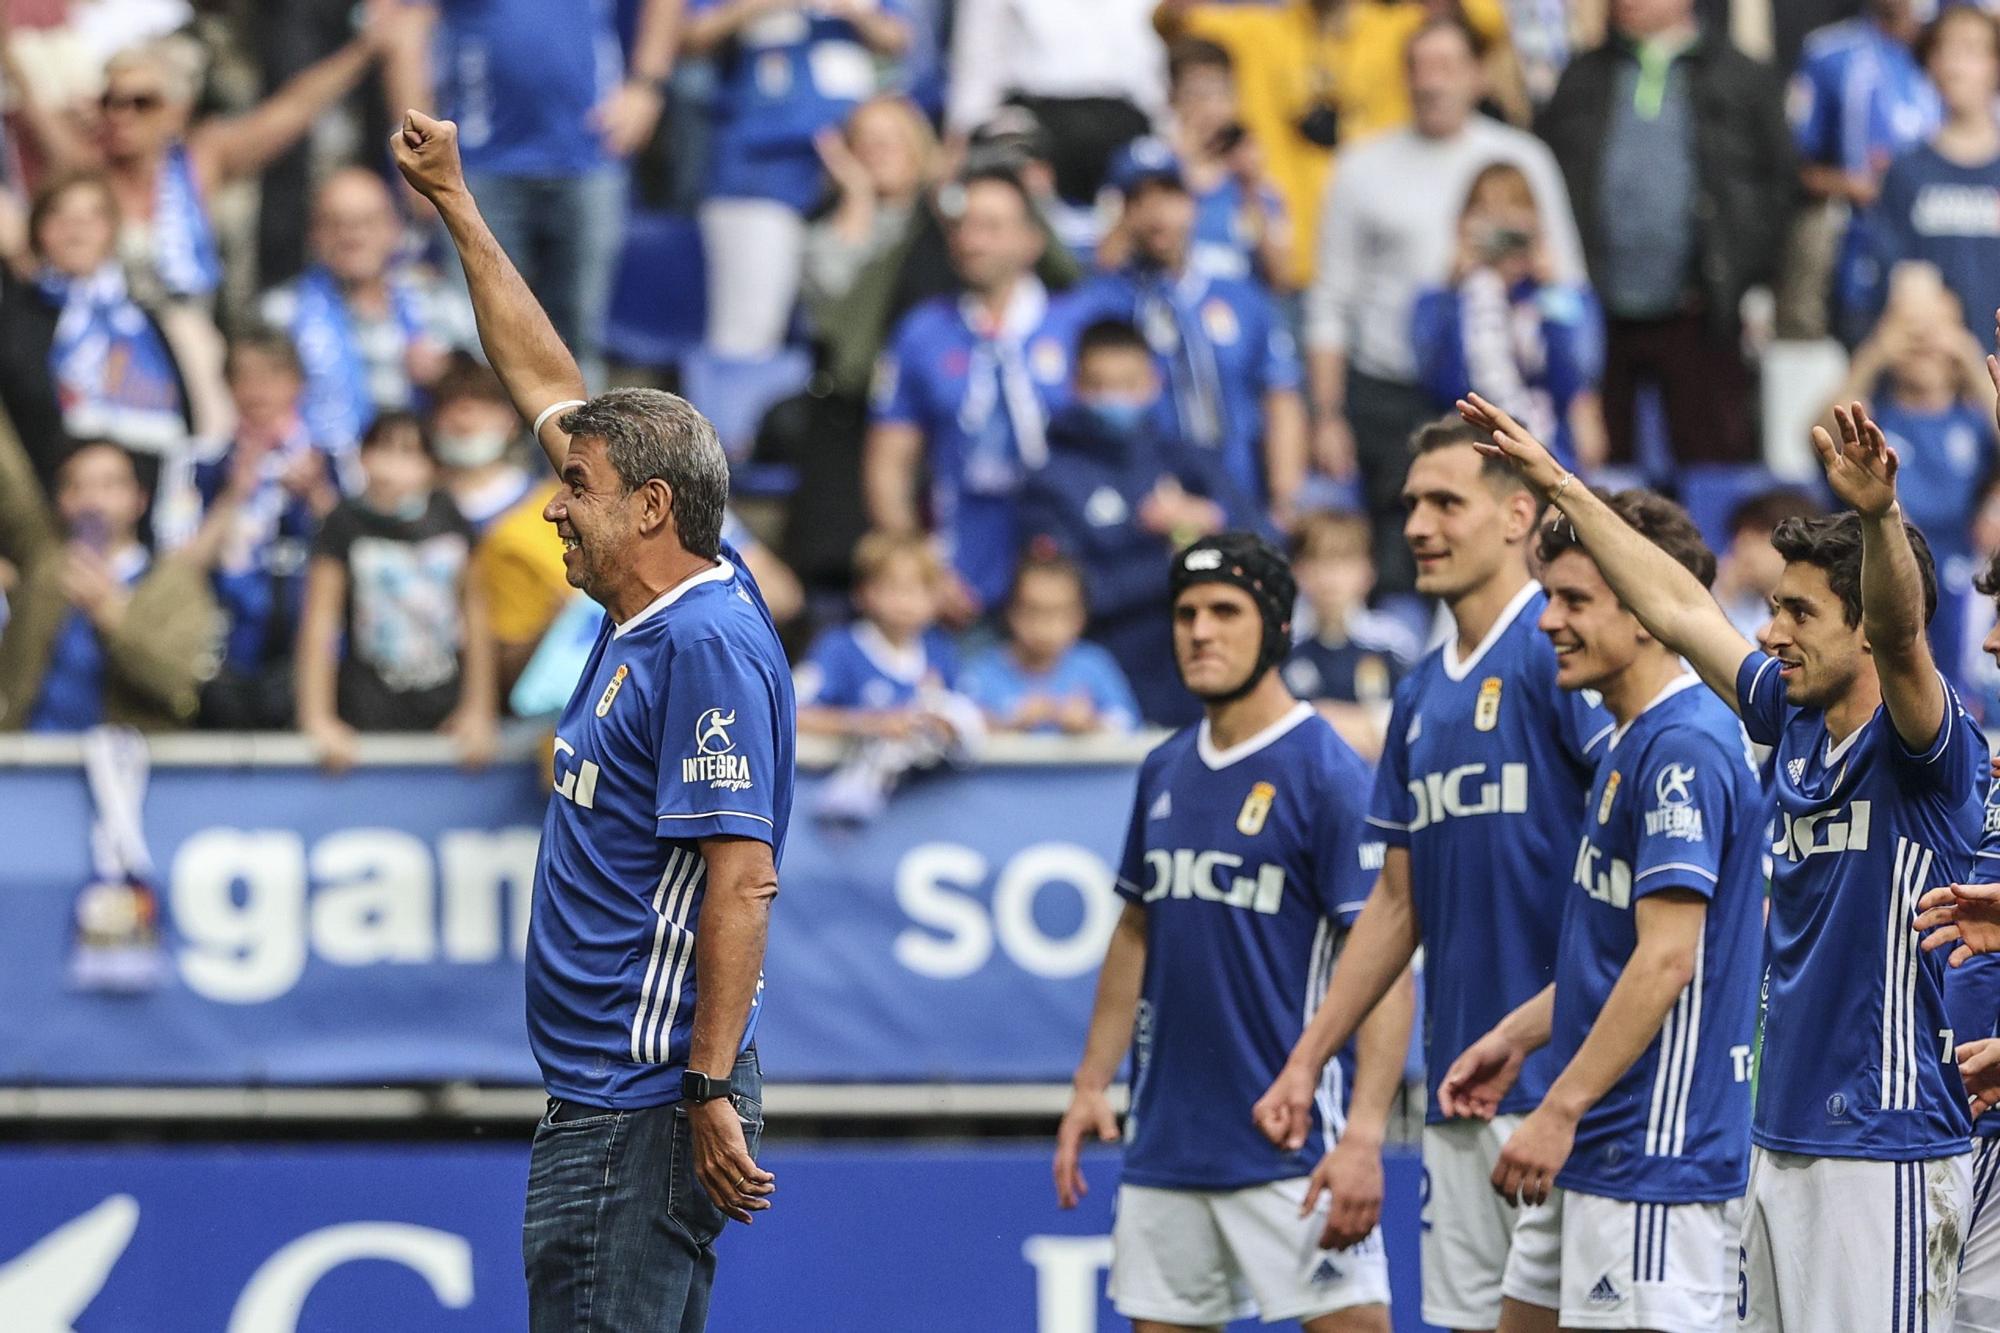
{"type": "Point", "coordinates": [659, 300]}
{"type": "Point", "coordinates": [735, 394]}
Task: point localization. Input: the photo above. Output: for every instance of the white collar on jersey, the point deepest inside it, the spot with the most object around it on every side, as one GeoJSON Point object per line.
{"type": "Point", "coordinates": [1220, 759]}
{"type": "Point", "coordinates": [900, 664]}
{"type": "Point", "coordinates": [1681, 682]}
{"type": "Point", "coordinates": [715, 573]}
{"type": "Point", "coordinates": [1457, 670]}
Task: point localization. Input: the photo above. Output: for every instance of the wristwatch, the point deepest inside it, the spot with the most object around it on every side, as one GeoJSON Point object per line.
{"type": "Point", "coordinates": [699, 1088]}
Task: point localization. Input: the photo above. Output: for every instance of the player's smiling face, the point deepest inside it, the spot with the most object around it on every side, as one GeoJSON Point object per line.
{"type": "Point", "coordinates": [1217, 634]}
{"type": "Point", "coordinates": [1594, 636]}
{"type": "Point", "coordinates": [1461, 530]}
{"type": "Point", "coordinates": [1819, 654]}
{"type": "Point", "coordinates": [592, 512]}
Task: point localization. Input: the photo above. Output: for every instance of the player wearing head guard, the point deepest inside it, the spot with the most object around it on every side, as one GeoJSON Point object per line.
{"type": "Point", "coordinates": [1243, 865]}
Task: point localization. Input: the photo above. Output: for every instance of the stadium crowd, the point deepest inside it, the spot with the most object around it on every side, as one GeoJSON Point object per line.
{"type": "Point", "coordinates": [995, 303]}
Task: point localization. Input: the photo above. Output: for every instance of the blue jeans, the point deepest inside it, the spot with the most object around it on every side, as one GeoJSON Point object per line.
{"type": "Point", "coordinates": [606, 1249]}
{"type": "Point", "coordinates": [563, 233]}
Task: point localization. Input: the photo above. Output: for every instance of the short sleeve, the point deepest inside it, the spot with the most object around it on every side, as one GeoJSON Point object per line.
{"type": "Point", "coordinates": [1342, 840]}
{"type": "Point", "coordinates": [1683, 815]}
{"type": "Point", "coordinates": [1955, 760]}
{"type": "Point", "coordinates": [1389, 808]}
{"type": "Point", "coordinates": [718, 752]}
{"type": "Point", "coordinates": [1586, 726]}
{"type": "Point", "coordinates": [893, 398]}
{"type": "Point", "coordinates": [1972, 998]}
{"type": "Point", "coordinates": [337, 533]}
{"type": "Point", "coordinates": [1986, 859]}
{"type": "Point", "coordinates": [1811, 115]}
{"type": "Point", "coordinates": [1110, 693]}
{"type": "Point", "coordinates": [820, 679]}
{"type": "Point", "coordinates": [1760, 698]}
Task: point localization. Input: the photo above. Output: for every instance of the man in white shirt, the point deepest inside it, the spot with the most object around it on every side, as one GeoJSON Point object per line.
{"type": "Point", "coordinates": [1389, 229]}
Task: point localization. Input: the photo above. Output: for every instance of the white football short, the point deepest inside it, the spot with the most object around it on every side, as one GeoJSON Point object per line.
{"type": "Point", "coordinates": [1844, 1243]}
{"type": "Point", "coordinates": [1206, 1257]}
{"type": "Point", "coordinates": [1979, 1271]}
{"type": "Point", "coordinates": [1467, 1228]}
{"type": "Point", "coordinates": [1607, 1263]}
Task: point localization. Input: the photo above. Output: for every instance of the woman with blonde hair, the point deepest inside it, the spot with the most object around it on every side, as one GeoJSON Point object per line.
{"type": "Point", "coordinates": [881, 162]}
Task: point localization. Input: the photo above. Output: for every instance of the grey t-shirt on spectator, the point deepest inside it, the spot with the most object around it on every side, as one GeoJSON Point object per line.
{"type": "Point", "coordinates": [1391, 229]}
{"type": "Point", "coordinates": [1648, 189]}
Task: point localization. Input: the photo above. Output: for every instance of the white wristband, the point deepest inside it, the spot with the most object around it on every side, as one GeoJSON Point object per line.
{"type": "Point", "coordinates": [551, 410]}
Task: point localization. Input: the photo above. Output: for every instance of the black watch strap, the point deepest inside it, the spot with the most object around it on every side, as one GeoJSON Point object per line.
{"type": "Point", "coordinates": [699, 1088]}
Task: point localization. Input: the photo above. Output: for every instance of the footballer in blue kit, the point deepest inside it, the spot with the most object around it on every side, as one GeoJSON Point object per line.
{"type": "Point", "coordinates": [1641, 1145]}
{"type": "Point", "coordinates": [672, 790]}
{"type": "Point", "coordinates": [1861, 1131]}
{"type": "Point", "coordinates": [1477, 802]}
{"type": "Point", "coordinates": [1244, 863]}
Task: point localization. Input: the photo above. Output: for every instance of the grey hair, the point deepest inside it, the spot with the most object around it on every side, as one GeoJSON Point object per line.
{"type": "Point", "coordinates": [649, 434]}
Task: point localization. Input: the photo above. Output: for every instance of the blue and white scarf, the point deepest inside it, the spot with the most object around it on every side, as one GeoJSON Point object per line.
{"type": "Point", "coordinates": [183, 242]}
{"type": "Point", "coordinates": [338, 406]}
{"type": "Point", "coordinates": [114, 375]}
{"type": "Point", "coordinates": [1169, 315]}
{"type": "Point", "coordinates": [1506, 354]}
{"type": "Point", "coordinates": [1002, 414]}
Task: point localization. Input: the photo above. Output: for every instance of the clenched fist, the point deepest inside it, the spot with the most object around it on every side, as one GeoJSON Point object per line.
{"type": "Point", "coordinates": [427, 154]}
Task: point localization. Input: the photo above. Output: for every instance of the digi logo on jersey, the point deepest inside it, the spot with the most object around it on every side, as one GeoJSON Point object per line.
{"type": "Point", "coordinates": [1675, 815]}
{"type": "Point", "coordinates": [1614, 886]}
{"type": "Point", "coordinates": [1182, 873]}
{"type": "Point", "coordinates": [714, 761]}
{"type": "Point", "coordinates": [1461, 792]}
{"type": "Point", "coordinates": [1814, 834]}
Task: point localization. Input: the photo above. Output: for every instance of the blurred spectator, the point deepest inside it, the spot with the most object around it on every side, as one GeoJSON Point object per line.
{"type": "Point", "coordinates": [394, 634]}
{"type": "Point", "coordinates": [787, 72]}
{"type": "Point", "coordinates": [473, 429]}
{"type": "Point", "coordinates": [1119, 495]}
{"type": "Point", "coordinates": [263, 498]}
{"type": "Point", "coordinates": [1091, 73]}
{"type": "Point", "coordinates": [1349, 662]}
{"type": "Point", "coordinates": [99, 631]}
{"type": "Point", "coordinates": [84, 359]}
{"type": "Point", "coordinates": [1313, 75]}
{"type": "Point", "coordinates": [1232, 370]}
{"type": "Point", "coordinates": [1391, 230]}
{"type": "Point", "coordinates": [373, 334]}
{"type": "Point", "coordinates": [1747, 569]}
{"type": "Point", "coordinates": [1858, 101]}
{"type": "Point", "coordinates": [1923, 375]}
{"type": "Point", "coordinates": [1940, 199]}
{"type": "Point", "coordinates": [545, 118]}
{"type": "Point", "coordinates": [1044, 678]}
{"type": "Point", "coordinates": [881, 162]}
{"type": "Point", "coordinates": [882, 675]}
{"type": "Point", "coordinates": [1240, 229]}
{"type": "Point", "coordinates": [963, 396]}
{"type": "Point", "coordinates": [1507, 330]}
{"type": "Point", "coordinates": [1681, 166]}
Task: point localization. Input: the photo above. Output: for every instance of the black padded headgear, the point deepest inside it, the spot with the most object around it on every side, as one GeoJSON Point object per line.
{"type": "Point", "coordinates": [1244, 560]}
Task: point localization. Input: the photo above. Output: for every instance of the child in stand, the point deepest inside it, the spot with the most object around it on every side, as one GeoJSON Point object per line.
{"type": "Point", "coordinates": [394, 635]}
{"type": "Point", "coordinates": [1044, 679]}
{"type": "Point", "coordinates": [886, 680]}
{"type": "Point", "coordinates": [1348, 664]}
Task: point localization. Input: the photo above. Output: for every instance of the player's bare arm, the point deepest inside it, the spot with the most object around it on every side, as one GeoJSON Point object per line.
{"type": "Point", "coordinates": [1669, 925]}
{"type": "Point", "coordinates": [1379, 949]}
{"type": "Point", "coordinates": [729, 957]}
{"type": "Point", "coordinates": [1484, 1073]}
{"type": "Point", "coordinates": [1111, 1017]}
{"type": "Point", "coordinates": [1352, 1173]}
{"type": "Point", "coordinates": [521, 344]}
{"type": "Point", "coordinates": [1861, 469]}
{"type": "Point", "coordinates": [1668, 600]}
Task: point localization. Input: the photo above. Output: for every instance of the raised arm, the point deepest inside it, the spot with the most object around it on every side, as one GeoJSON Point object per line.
{"type": "Point", "coordinates": [226, 148]}
{"type": "Point", "coordinates": [1861, 469]}
{"type": "Point", "coordinates": [1668, 600]}
{"type": "Point", "coordinates": [520, 343]}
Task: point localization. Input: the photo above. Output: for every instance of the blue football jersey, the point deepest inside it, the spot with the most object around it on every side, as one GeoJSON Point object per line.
{"type": "Point", "coordinates": [1972, 990]}
{"type": "Point", "coordinates": [855, 666]}
{"type": "Point", "coordinates": [1482, 778]}
{"type": "Point", "coordinates": [681, 728]}
{"type": "Point", "coordinates": [1248, 862]}
{"type": "Point", "coordinates": [1857, 1057]}
{"type": "Point", "coordinates": [1675, 805]}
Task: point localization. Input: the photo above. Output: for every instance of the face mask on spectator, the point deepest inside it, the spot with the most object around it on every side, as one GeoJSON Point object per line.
{"type": "Point", "coordinates": [1122, 416]}
{"type": "Point", "coordinates": [473, 449]}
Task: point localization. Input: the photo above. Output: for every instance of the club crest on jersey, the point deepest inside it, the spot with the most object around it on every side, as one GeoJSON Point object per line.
{"type": "Point", "coordinates": [1486, 712]}
{"type": "Point", "coordinates": [1256, 809]}
{"type": "Point", "coordinates": [611, 690]}
{"type": "Point", "coordinates": [714, 760]}
{"type": "Point", "coordinates": [1610, 795]}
